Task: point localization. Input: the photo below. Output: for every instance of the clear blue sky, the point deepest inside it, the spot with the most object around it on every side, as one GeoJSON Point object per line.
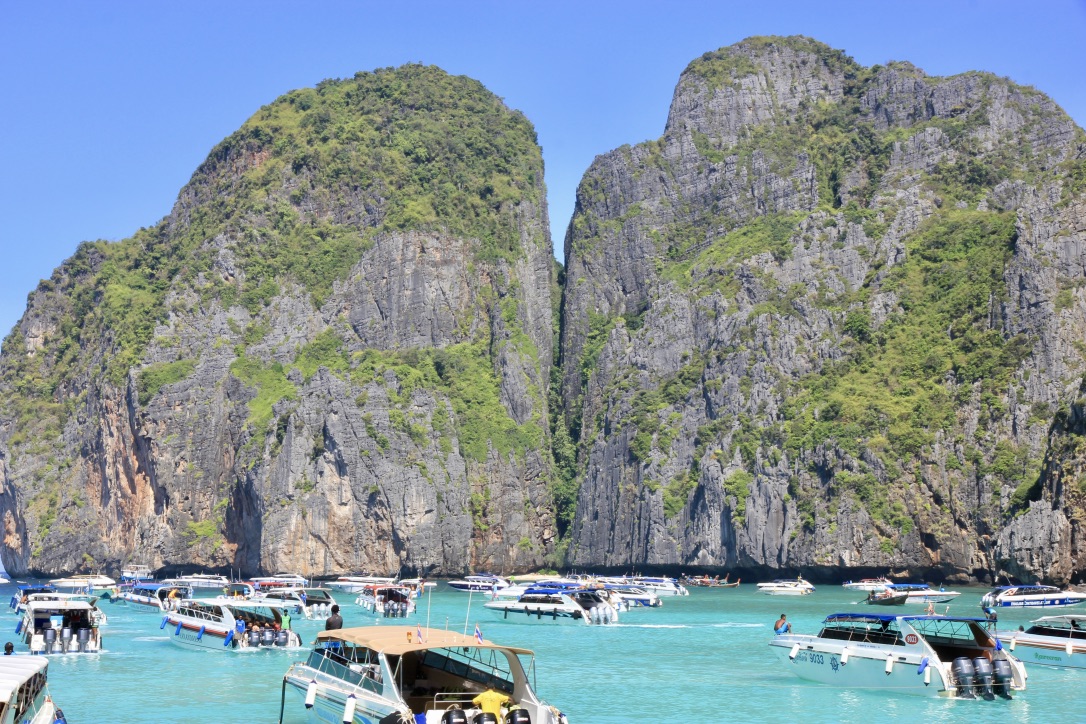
{"type": "Point", "coordinates": [110, 106]}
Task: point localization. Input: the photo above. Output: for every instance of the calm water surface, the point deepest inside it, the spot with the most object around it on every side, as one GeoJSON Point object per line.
{"type": "Point", "coordinates": [699, 658]}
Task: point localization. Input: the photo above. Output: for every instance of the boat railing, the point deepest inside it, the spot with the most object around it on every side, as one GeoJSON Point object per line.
{"type": "Point", "coordinates": [329, 662]}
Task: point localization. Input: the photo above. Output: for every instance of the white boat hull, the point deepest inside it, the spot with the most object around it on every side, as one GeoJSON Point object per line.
{"type": "Point", "coordinates": [864, 670]}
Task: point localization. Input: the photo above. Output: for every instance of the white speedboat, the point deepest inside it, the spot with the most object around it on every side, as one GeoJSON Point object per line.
{"type": "Point", "coordinates": [389, 673]}
{"type": "Point", "coordinates": [98, 618]}
{"type": "Point", "coordinates": [634, 596]}
{"type": "Point", "coordinates": [309, 602]}
{"type": "Point", "coordinates": [227, 624]}
{"type": "Point", "coordinates": [1031, 595]}
{"type": "Point", "coordinates": [481, 582]}
{"type": "Point", "coordinates": [355, 584]}
{"type": "Point", "coordinates": [154, 597]}
{"type": "Point", "coordinates": [24, 691]}
{"type": "Point", "coordinates": [280, 580]}
{"type": "Point", "coordinates": [922, 593]}
{"type": "Point", "coordinates": [660, 586]}
{"type": "Point", "coordinates": [786, 587]}
{"type": "Point", "coordinates": [556, 605]}
{"type": "Point", "coordinates": [23, 593]}
{"type": "Point", "coordinates": [1050, 641]}
{"type": "Point", "coordinates": [388, 600]}
{"type": "Point", "coordinates": [136, 572]}
{"type": "Point", "coordinates": [867, 584]}
{"type": "Point", "coordinates": [94, 583]}
{"type": "Point", "coordinates": [62, 626]}
{"type": "Point", "coordinates": [200, 581]}
{"type": "Point", "coordinates": [922, 655]}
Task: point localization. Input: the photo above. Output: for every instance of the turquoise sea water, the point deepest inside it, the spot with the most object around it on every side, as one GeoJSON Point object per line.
{"type": "Point", "coordinates": [699, 658]}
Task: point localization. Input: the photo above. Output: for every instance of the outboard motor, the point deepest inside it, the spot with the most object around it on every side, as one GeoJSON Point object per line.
{"type": "Point", "coordinates": [984, 673]}
{"type": "Point", "coordinates": [65, 639]}
{"type": "Point", "coordinates": [963, 674]}
{"type": "Point", "coordinates": [281, 638]}
{"type": "Point", "coordinates": [518, 716]}
{"type": "Point", "coordinates": [254, 638]}
{"type": "Point", "coordinates": [454, 716]}
{"type": "Point", "coordinates": [484, 717]}
{"type": "Point", "coordinates": [50, 637]}
{"type": "Point", "coordinates": [269, 637]}
{"type": "Point", "coordinates": [1004, 677]}
{"type": "Point", "coordinates": [82, 636]}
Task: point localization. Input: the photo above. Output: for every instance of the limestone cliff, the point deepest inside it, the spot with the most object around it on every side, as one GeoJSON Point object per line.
{"type": "Point", "coordinates": [826, 321]}
{"type": "Point", "coordinates": [331, 356]}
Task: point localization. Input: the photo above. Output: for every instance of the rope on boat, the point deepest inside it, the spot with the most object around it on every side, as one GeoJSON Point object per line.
{"type": "Point", "coordinates": [282, 699]}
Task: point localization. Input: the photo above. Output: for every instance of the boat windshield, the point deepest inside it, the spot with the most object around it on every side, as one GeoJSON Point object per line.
{"type": "Point", "coordinates": [882, 630]}
{"type": "Point", "coordinates": [1062, 626]}
{"type": "Point", "coordinates": [317, 595]}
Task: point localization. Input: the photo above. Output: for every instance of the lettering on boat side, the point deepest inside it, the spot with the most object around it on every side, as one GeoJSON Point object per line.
{"type": "Point", "coordinates": [812, 657]}
{"type": "Point", "coordinates": [1042, 657]}
{"type": "Point", "coordinates": [911, 638]}
{"type": "Point", "coordinates": [833, 663]}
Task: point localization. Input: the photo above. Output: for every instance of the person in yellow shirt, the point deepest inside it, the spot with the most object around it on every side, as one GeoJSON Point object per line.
{"type": "Point", "coordinates": [491, 701]}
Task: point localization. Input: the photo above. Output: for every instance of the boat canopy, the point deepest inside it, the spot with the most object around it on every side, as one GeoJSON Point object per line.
{"type": "Point", "coordinates": [399, 640]}
{"type": "Point", "coordinates": [16, 671]}
{"type": "Point", "coordinates": [1028, 588]}
{"type": "Point", "coordinates": [1068, 618]}
{"type": "Point", "coordinates": [880, 617]}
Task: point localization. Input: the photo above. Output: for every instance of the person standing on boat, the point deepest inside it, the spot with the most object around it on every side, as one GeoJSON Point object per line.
{"type": "Point", "coordinates": [335, 621]}
{"type": "Point", "coordinates": [490, 701]}
{"type": "Point", "coordinates": [286, 620]}
{"type": "Point", "coordinates": [782, 626]}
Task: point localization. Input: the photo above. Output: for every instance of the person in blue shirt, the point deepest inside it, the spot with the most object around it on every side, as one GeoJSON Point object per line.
{"type": "Point", "coordinates": [782, 626]}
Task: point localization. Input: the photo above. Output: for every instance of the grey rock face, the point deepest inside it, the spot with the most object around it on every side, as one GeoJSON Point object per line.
{"type": "Point", "coordinates": [397, 422]}
{"type": "Point", "coordinates": [721, 278]}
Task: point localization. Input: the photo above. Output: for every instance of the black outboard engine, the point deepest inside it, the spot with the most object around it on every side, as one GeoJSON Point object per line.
{"type": "Point", "coordinates": [83, 637]}
{"type": "Point", "coordinates": [269, 637]}
{"type": "Point", "coordinates": [484, 717]}
{"type": "Point", "coordinates": [984, 673]}
{"type": "Point", "coordinates": [254, 638]}
{"type": "Point", "coordinates": [454, 716]}
{"type": "Point", "coordinates": [281, 638]}
{"type": "Point", "coordinates": [518, 716]}
{"type": "Point", "coordinates": [65, 639]}
{"type": "Point", "coordinates": [50, 637]}
{"type": "Point", "coordinates": [963, 674]}
{"type": "Point", "coordinates": [1004, 677]}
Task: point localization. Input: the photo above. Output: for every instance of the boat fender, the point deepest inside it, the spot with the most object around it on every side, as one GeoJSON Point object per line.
{"type": "Point", "coordinates": [1069, 648]}
{"type": "Point", "coordinates": [889, 664]}
{"type": "Point", "coordinates": [200, 633]}
{"type": "Point", "coordinates": [311, 694]}
{"type": "Point", "coordinates": [1014, 640]}
{"type": "Point", "coordinates": [177, 631]}
{"type": "Point", "coordinates": [348, 709]}
{"type": "Point", "coordinates": [793, 652]}
{"type": "Point", "coordinates": [923, 665]}
{"type": "Point", "coordinates": [927, 676]}
{"type": "Point", "coordinates": [19, 626]}
{"type": "Point", "coordinates": [165, 620]}
{"type": "Point", "coordinates": [844, 656]}
{"type": "Point", "coordinates": [229, 638]}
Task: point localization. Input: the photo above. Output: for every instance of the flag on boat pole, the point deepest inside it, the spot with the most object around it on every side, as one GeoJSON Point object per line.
{"type": "Point", "coordinates": [418, 633]}
{"type": "Point", "coordinates": [478, 634]}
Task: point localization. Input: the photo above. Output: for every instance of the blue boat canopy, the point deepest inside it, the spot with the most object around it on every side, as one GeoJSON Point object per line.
{"type": "Point", "coordinates": [880, 617]}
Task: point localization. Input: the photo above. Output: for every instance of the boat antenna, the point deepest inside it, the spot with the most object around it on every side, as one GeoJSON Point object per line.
{"type": "Point", "coordinates": [468, 614]}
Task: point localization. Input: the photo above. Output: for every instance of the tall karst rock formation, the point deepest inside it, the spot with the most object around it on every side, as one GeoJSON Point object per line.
{"type": "Point", "coordinates": [332, 355]}
{"type": "Point", "coordinates": [834, 317]}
